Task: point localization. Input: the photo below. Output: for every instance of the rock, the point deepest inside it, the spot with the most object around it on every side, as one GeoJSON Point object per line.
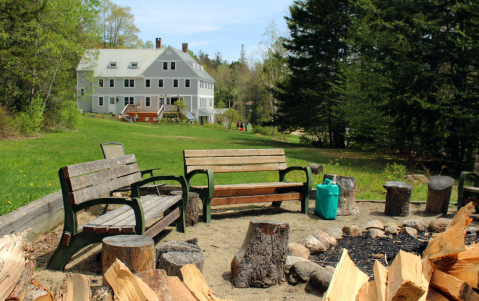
{"type": "Point", "coordinates": [295, 249]}
{"type": "Point", "coordinates": [376, 232]}
{"type": "Point", "coordinates": [411, 231]}
{"type": "Point", "coordinates": [417, 224]}
{"type": "Point", "coordinates": [334, 232]}
{"type": "Point", "coordinates": [316, 168]}
{"type": "Point", "coordinates": [330, 268]}
{"type": "Point", "coordinates": [314, 245]}
{"type": "Point", "coordinates": [374, 224]}
{"type": "Point", "coordinates": [391, 230]}
{"type": "Point", "coordinates": [331, 240]}
{"type": "Point", "coordinates": [321, 279]}
{"type": "Point", "coordinates": [290, 260]}
{"type": "Point", "coordinates": [352, 231]}
{"type": "Point", "coordinates": [392, 224]}
{"type": "Point", "coordinates": [439, 225]}
{"type": "Point", "coordinates": [300, 271]}
{"type": "Point", "coordinates": [362, 228]}
{"type": "Point", "coordinates": [472, 230]}
{"type": "Point", "coordinates": [325, 242]}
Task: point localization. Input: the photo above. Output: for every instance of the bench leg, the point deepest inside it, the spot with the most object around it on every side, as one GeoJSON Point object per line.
{"type": "Point", "coordinates": [276, 204]}
{"type": "Point", "coordinates": [305, 204]}
{"type": "Point", "coordinates": [63, 253]}
{"type": "Point", "coordinates": [206, 210]}
{"type": "Point", "coordinates": [180, 222]}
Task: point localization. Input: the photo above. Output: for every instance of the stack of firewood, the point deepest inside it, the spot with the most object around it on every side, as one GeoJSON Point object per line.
{"type": "Point", "coordinates": [155, 285]}
{"type": "Point", "coordinates": [448, 270]}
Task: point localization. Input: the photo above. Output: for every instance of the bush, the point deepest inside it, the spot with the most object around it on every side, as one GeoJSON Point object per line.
{"type": "Point", "coordinates": [265, 130]}
{"type": "Point", "coordinates": [70, 115]}
{"type": "Point", "coordinates": [395, 172]}
{"type": "Point", "coordinates": [6, 121]}
{"type": "Point", "coordinates": [31, 119]}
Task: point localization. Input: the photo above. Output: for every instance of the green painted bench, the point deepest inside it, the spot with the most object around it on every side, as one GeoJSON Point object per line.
{"type": "Point", "coordinates": [213, 161]}
{"type": "Point", "coordinates": [83, 185]}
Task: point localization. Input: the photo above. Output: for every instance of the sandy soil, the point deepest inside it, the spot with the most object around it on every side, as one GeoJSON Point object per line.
{"type": "Point", "coordinates": [221, 240]}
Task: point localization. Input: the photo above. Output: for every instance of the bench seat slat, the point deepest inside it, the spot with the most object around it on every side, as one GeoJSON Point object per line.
{"type": "Point", "coordinates": [472, 189]}
{"type": "Point", "coordinates": [88, 193]}
{"type": "Point", "coordinates": [94, 166]}
{"type": "Point", "coordinates": [296, 196]}
{"type": "Point", "coordinates": [84, 181]}
{"type": "Point", "coordinates": [239, 168]}
{"type": "Point", "coordinates": [235, 160]}
{"type": "Point", "coordinates": [232, 152]}
{"type": "Point", "coordinates": [253, 185]}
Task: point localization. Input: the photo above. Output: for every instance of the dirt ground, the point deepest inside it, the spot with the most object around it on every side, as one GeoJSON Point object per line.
{"type": "Point", "coordinates": [221, 240]}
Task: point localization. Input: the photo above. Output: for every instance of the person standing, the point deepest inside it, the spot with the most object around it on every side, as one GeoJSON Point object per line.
{"type": "Point", "coordinates": [246, 126]}
{"type": "Point", "coordinates": [238, 125]}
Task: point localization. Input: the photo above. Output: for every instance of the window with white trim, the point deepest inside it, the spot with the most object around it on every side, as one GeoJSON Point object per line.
{"type": "Point", "coordinates": [147, 101]}
{"type": "Point", "coordinates": [129, 100]}
{"type": "Point", "coordinates": [112, 83]}
{"type": "Point", "coordinates": [100, 83]}
{"type": "Point", "coordinates": [100, 101]}
{"type": "Point", "coordinates": [160, 83]}
{"type": "Point", "coordinates": [165, 65]}
{"type": "Point", "coordinates": [113, 65]}
{"type": "Point", "coordinates": [129, 83]}
{"type": "Point", "coordinates": [172, 65]}
{"type": "Point", "coordinates": [147, 83]}
{"type": "Point", "coordinates": [187, 83]}
{"type": "Point", "coordinates": [211, 102]}
{"type": "Point", "coordinates": [134, 65]}
{"type": "Point", "coordinates": [202, 102]}
{"type": "Point", "coordinates": [112, 100]}
{"type": "Point", "coordinates": [175, 83]}
{"type": "Point", "coordinates": [161, 102]}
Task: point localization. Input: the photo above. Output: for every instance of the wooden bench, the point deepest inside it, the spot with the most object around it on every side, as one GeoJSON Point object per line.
{"type": "Point", "coordinates": [213, 161]}
{"type": "Point", "coordinates": [471, 193]}
{"type": "Point", "coordinates": [83, 186]}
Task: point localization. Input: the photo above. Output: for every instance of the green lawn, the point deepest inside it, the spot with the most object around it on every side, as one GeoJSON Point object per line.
{"type": "Point", "coordinates": [28, 167]}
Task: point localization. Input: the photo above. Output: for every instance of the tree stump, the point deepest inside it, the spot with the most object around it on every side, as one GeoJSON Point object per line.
{"type": "Point", "coordinates": [347, 195]}
{"type": "Point", "coordinates": [172, 262]}
{"type": "Point", "coordinates": [439, 193]}
{"type": "Point", "coordinates": [260, 261]}
{"type": "Point", "coordinates": [175, 246]}
{"type": "Point", "coordinates": [192, 211]}
{"type": "Point", "coordinates": [398, 197]}
{"type": "Point", "coordinates": [137, 252]}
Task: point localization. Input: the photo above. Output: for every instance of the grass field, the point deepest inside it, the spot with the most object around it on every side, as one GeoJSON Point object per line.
{"type": "Point", "coordinates": [28, 167]}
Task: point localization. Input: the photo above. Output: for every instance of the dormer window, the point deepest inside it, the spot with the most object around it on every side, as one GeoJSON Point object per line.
{"type": "Point", "coordinates": [113, 65]}
{"type": "Point", "coordinates": [134, 65]}
{"type": "Point", "coordinates": [194, 65]}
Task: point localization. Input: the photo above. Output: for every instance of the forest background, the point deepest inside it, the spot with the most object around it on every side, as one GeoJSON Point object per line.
{"type": "Point", "coordinates": [388, 75]}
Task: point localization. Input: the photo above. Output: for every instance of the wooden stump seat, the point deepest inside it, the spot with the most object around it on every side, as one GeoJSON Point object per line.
{"type": "Point", "coordinates": [83, 186]}
{"type": "Point", "coordinates": [213, 161]}
{"type": "Point", "coordinates": [398, 197]}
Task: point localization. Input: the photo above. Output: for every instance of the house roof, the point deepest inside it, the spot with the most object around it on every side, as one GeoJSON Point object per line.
{"type": "Point", "coordinates": [206, 112]}
{"type": "Point", "coordinates": [123, 57]}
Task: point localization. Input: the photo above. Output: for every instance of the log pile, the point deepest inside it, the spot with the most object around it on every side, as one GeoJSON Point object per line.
{"type": "Point", "coordinates": [449, 270]}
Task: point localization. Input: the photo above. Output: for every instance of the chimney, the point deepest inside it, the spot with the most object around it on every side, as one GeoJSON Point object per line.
{"type": "Point", "coordinates": [158, 43]}
{"type": "Point", "coordinates": [184, 47]}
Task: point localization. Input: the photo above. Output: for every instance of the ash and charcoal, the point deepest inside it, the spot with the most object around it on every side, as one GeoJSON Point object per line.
{"type": "Point", "coordinates": [364, 250]}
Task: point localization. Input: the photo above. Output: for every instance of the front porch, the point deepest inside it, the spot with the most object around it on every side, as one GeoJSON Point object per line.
{"type": "Point", "coordinates": [131, 111]}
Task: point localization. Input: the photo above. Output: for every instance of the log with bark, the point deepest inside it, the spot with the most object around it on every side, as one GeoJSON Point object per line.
{"type": "Point", "coordinates": [439, 193]}
{"type": "Point", "coordinates": [347, 195]}
{"type": "Point", "coordinates": [21, 287]}
{"type": "Point", "coordinates": [398, 196]}
{"type": "Point", "coordinates": [260, 261]}
{"type": "Point", "coordinates": [172, 262]}
{"type": "Point", "coordinates": [12, 262]}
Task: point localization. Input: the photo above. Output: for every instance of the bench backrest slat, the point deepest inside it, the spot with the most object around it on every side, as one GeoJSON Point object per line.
{"type": "Point", "coordinates": [235, 160]}
{"type": "Point", "coordinates": [96, 178]}
{"type": "Point", "coordinates": [91, 192]}
{"type": "Point", "coordinates": [476, 165]}
{"type": "Point", "coordinates": [232, 152]}
{"type": "Point", "coordinates": [94, 166]}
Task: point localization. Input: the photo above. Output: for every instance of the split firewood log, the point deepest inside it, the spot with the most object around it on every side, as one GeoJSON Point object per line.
{"type": "Point", "coordinates": [37, 292]}
{"type": "Point", "coordinates": [381, 278]}
{"type": "Point", "coordinates": [433, 295]}
{"type": "Point", "coordinates": [453, 288]}
{"type": "Point", "coordinates": [465, 267]}
{"type": "Point", "coordinates": [75, 287]}
{"type": "Point", "coordinates": [368, 292]}
{"type": "Point", "coordinates": [21, 287]}
{"type": "Point", "coordinates": [197, 285]}
{"type": "Point", "coordinates": [450, 242]}
{"type": "Point", "coordinates": [157, 280]}
{"type": "Point", "coordinates": [178, 290]}
{"type": "Point", "coordinates": [12, 262]}
{"type": "Point", "coordinates": [405, 278]}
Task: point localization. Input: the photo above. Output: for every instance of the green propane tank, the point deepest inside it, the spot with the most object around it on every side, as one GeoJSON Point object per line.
{"type": "Point", "coordinates": [327, 196]}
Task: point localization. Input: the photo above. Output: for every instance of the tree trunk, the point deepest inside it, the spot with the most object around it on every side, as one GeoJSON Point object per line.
{"type": "Point", "coordinates": [397, 198]}
{"type": "Point", "coordinates": [192, 211]}
{"type": "Point", "coordinates": [260, 261]}
{"type": "Point", "coordinates": [172, 262]}
{"type": "Point", "coordinates": [347, 195]}
{"type": "Point", "coordinates": [137, 252]}
{"type": "Point", "coordinates": [439, 193]}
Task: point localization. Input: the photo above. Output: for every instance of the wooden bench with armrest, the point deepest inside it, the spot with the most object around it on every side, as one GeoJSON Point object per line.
{"type": "Point", "coordinates": [470, 193]}
{"type": "Point", "coordinates": [209, 162]}
{"type": "Point", "coordinates": [82, 186]}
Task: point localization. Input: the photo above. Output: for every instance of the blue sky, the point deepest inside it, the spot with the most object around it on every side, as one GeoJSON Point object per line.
{"type": "Point", "coordinates": [211, 26]}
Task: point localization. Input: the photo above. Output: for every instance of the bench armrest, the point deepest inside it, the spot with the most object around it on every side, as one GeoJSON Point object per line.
{"type": "Point", "coordinates": [307, 170]}
{"type": "Point", "coordinates": [148, 171]}
{"type": "Point", "coordinates": [134, 203]}
{"type": "Point", "coordinates": [460, 186]}
{"type": "Point", "coordinates": [135, 187]}
{"type": "Point", "coordinates": [210, 176]}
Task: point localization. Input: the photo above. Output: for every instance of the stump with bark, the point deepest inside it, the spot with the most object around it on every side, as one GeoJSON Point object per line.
{"type": "Point", "coordinates": [347, 195]}
{"type": "Point", "coordinates": [172, 262]}
{"type": "Point", "coordinates": [398, 197]}
{"type": "Point", "coordinates": [137, 252]}
{"type": "Point", "coordinates": [439, 193]}
{"type": "Point", "coordinates": [260, 261]}
{"type": "Point", "coordinates": [192, 211]}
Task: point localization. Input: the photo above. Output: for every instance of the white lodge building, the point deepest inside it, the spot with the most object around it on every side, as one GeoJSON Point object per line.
{"type": "Point", "coordinates": [146, 78]}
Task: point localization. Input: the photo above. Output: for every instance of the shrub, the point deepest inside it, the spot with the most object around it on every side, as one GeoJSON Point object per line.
{"type": "Point", "coordinates": [6, 127]}
{"type": "Point", "coordinates": [395, 172]}
{"type": "Point", "coordinates": [70, 115]}
{"type": "Point", "coordinates": [31, 119]}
